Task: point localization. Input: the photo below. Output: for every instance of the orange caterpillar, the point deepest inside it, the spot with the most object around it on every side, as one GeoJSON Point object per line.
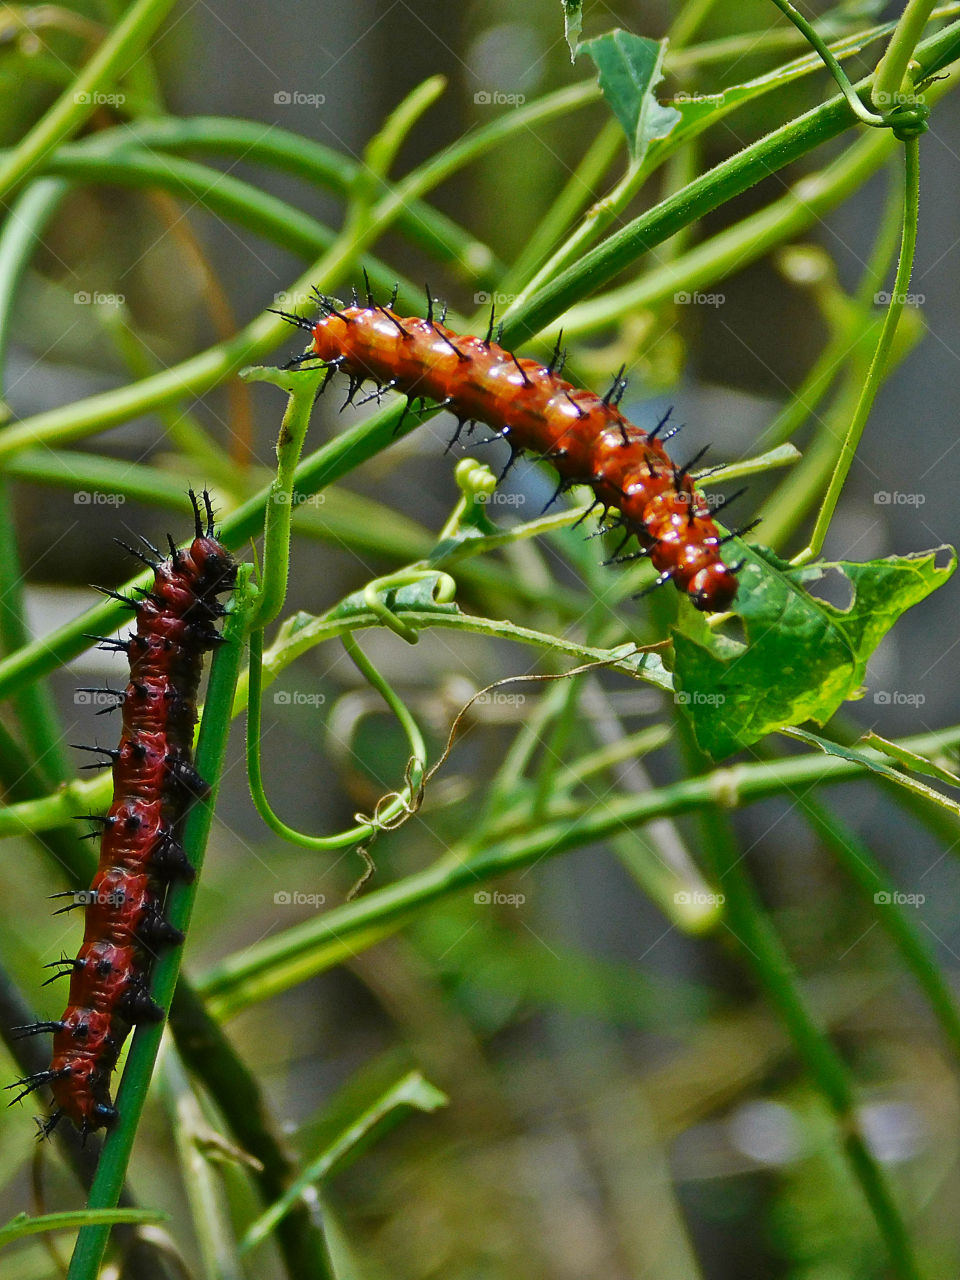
{"type": "Point", "coordinates": [583, 435]}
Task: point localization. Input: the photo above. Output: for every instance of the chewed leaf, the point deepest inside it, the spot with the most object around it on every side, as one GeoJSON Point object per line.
{"type": "Point", "coordinates": [803, 656]}
{"type": "Point", "coordinates": [910, 759]}
{"type": "Point", "coordinates": [572, 25]}
{"type": "Point", "coordinates": [629, 69]}
{"type": "Point", "coordinates": [878, 765]}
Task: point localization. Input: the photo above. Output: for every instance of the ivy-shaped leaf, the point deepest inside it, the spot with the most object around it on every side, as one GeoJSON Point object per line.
{"type": "Point", "coordinates": [803, 657]}
{"type": "Point", "coordinates": [629, 69]}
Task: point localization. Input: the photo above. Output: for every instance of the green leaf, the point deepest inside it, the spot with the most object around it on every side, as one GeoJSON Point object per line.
{"type": "Point", "coordinates": [876, 765]}
{"type": "Point", "coordinates": [910, 759]}
{"type": "Point", "coordinates": [572, 25]}
{"type": "Point", "coordinates": [629, 69]}
{"type": "Point", "coordinates": [784, 455]}
{"type": "Point", "coordinates": [25, 1225]}
{"type": "Point", "coordinates": [803, 657]}
{"type": "Point", "coordinates": [411, 1092]}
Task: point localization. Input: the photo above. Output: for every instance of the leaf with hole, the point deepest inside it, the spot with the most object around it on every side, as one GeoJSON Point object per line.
{"type": "Point", "coordinates": [801, 657]}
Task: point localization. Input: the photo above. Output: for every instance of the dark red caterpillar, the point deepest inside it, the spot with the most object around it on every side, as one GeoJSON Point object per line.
{"type": "Point", "coordinates": [583, 435]}
{"type": "Point", "coordinates": [154, 783]}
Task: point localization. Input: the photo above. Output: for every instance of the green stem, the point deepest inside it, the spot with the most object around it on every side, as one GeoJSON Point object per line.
{"type": "Point", "coordinates": [846, 335]}
{"type": "Point", "coordinates": [131, 1095]}
{"type": "Point", "coordinates": [380, 153]}
{"type": "Point", "coordinates": [277, 963]}
{"type": "Point", "coordinates": [878, 365]}
{"type": "Point", "coordinates": [863, 869]}
{"type": "Point", "coordinates": [892, 68]}
{"type": "Point", "coordinates": [764, 953]}
{"type": "Point", "coordinates": [728, 179]}
{"type": "Point", "coordinates": [35, 709]}
{"type": "Point", "coordinates": [301, 386]}
{"type": "Point", "coordinates": [401, 804]}
{"type": "Point", "coordinates": [863, 114]}
{"type": "Point", "coordinates": [688, 21]}
{"type": "Point", "coordinates": [77, 103]}
{"type": "Point", "coordinates": [564, 209]}
{"type": "Point", "coordinates": [357, 444]}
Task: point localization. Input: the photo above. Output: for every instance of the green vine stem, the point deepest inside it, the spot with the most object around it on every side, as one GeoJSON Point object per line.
{"type": "Point", "coordinates": [764, 953]}
{"type": "Point", "coordinates": [119, 51]}
{"type": "Point", "coordinates": [276, 963]}
{"type": "Point", "coordinates": [878, 365]}
{"type": "Point", "coordinates": [301, 386]}
{"type": "Point", "coordinates": [132, 1091]}
{"type": "Point", "coordinates": [357, 444]}
{"type": "Point", "coordinates": [37, 718]}
{"type": "Point", "coordinates": [892, 68]}
{"type": "Point", "coordinates": [726, 180]}
{"type": "Point", "coordinates": [858, 861]}
{"type": "Point", "coordinates": [399, 805]}
{"type": "Point", "coordinates": [911, 117]}
{"type": "Point", "coordinates": [444, 592]}
{"type": "Point", "coordinates": [309, 160]}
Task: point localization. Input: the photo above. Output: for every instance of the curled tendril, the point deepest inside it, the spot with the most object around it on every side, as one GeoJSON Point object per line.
{"type": "Point", "coordinates": [411, 797]}
{"type": "Point", "coordinates": [409, 801]}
